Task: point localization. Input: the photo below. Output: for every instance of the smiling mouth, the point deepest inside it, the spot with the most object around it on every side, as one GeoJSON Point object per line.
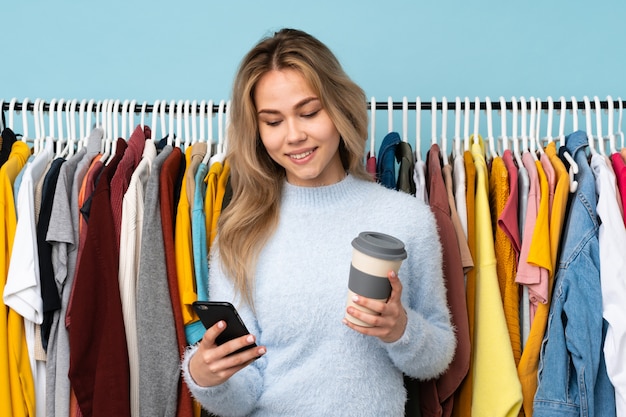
{"type": "Point", "coordinates": [300, 155]}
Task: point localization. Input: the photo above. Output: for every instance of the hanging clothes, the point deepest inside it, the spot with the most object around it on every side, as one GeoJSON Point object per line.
{"type": "Point", "coordinates": [16, 393]}
{"type": "Point", "coordinates": [437, 395]}
{"type": "Point", "coordinates": [493, 364]}
{"type": "Point", "coordinates": [63, 237]}
{"type": "Point", "coordinates": [159, 371]}
{"type": "Point", "coordinates": [612, 241]}
{"type": "Point", "coordinates": [576, 310]}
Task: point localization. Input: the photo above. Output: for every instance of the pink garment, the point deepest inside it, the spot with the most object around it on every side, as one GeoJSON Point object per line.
{"type": "Point", "coordinates": [620, 175]}
{"type": "Point", "coordinates": [508, 218]}
{"type": "Point", "coordinates": [528, 274]}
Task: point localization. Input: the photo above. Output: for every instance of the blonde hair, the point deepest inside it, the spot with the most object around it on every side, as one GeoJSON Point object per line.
{"type": "Point", "coordinates": [252, 214]}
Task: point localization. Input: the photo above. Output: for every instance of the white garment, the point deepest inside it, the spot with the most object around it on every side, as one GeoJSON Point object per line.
{"type": "Point", "coordinates": [419, 177]}
{"type": "Point", "coordinates": [22, 291]}
{"type": "Point", "coordinates": [130, 244]}
{"type": "Point", "coordinates": [459, 190]}
{"type": "Point", "coordinates": [612, 241]}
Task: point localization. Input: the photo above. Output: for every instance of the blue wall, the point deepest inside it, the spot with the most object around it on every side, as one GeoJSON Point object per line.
{"type": "Point", "coordinates": [149, 50]}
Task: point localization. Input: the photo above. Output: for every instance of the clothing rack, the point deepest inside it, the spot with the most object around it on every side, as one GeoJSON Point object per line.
{"type": "Point", "coordinates": [465, 104]}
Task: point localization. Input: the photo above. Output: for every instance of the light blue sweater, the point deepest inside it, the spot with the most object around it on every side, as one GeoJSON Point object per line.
{"type": "Point", "coordinates": [315, 365]}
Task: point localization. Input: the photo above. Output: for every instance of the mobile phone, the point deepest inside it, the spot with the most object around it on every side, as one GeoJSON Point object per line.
{"type": "Point", "coordinates": [210, 312]}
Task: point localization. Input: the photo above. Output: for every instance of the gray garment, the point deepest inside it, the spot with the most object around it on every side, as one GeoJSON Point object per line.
{"type": "Point", "coordinates": [159, 370]}
{"type": "Point", "coordinates": [63, 236]}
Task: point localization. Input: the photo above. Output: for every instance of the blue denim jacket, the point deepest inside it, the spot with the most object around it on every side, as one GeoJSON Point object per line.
{"type": "Point", "coordinates": [572, 377]}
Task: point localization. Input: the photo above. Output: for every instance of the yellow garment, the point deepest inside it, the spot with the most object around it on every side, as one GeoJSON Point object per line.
{"type": "Point", "coordinates": [529, 363]}
{"type": "Point", "coordinates": [496, 390]}
{"type": "Point", "coordinates": [184, 252]}
{"type": "Point", "coordinates": [463, 396]}
{"type": "Point", "coordinates": [211, 179]}
{"type": "Point", "coordinates": [219, 198]}
{"type": "Point", "coordinates": [506, 266]}
{"type": "Point", "coordinates": [17, 387]}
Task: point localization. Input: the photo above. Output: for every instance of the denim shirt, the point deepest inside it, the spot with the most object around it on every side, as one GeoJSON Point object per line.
{"type": "Point", "coordinates": [572, 377]}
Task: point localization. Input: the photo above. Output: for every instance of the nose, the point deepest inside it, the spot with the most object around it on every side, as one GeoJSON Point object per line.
{"type": "Point", "coordinates": [295, 132]}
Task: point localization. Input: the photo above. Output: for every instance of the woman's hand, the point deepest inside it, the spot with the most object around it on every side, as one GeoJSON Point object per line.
{"type": "Point", "coordinates": [210, 365]}
{"type": "Point", "coordinates": [389, 326]}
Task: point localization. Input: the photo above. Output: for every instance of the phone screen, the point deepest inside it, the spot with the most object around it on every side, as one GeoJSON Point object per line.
{"type": "Point", "coordinates": [210, 312]}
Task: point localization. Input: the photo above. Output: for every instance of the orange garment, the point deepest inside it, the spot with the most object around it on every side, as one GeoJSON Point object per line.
{"type": "Point", "coordinates": [505, 254]}
{"type": "Point", "coordinates": [463, 396]}
{"type": "Point", "coordinates": [529, 362]}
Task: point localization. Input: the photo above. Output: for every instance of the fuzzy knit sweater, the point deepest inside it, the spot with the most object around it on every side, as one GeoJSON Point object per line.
{"type": "Point", "coordinates": [315, 365]}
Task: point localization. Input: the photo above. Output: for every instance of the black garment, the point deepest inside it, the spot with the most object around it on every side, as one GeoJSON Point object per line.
{"type": "Point", "coordinates": [8, 139]}
{"type": "Point", "coordinates": [49, 291]}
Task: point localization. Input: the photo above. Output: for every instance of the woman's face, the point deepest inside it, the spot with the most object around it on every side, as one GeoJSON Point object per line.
{"type": "Point", "coordinates": [296, 130]}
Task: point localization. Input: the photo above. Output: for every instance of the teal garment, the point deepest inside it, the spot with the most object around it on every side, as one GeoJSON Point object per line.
{"type": "Point", "coordinates": [195, 330]}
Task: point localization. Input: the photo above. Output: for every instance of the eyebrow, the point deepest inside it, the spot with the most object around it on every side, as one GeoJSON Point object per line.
{"type": "Point", "coordinates": [298, 105]}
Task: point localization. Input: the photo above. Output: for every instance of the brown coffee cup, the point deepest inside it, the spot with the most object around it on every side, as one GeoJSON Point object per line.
{"type": "Point", "coordinates": [374, 254]}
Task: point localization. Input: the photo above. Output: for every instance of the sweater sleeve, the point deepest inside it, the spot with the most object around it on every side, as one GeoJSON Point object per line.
{"type": "Point", "coordinates": [237, 396]}
{"type": "Point", "coordinates": [427, 346]}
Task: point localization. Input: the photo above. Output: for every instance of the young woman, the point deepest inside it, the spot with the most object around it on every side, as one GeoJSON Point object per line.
{"type": "Point", "coordinates": [296, 145]}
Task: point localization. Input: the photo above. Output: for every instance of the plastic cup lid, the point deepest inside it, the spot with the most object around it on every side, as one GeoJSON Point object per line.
{"type": "Point", "coordinates": [380, 245]}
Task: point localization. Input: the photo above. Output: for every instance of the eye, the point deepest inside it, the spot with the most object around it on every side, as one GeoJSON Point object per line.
{"type": "Point", "coordinates": [311, 114]}
{"type": "Point", "coordinates": [272, 123]}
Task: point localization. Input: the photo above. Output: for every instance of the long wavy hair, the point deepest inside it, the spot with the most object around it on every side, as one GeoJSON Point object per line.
{"type": "Point", "coordinates": [252, 214]}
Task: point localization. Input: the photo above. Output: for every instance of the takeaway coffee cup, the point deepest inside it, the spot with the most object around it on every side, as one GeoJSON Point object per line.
{"type": "Point", "coordinates": [374, 254]}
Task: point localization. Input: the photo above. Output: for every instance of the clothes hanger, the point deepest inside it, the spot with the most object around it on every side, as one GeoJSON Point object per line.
{"type": "Point", "coordinates": [418, 129]}
{"type": "Point", "coordinates": [573, 166]}
{"type": "Point", "coordinates": [405, 119]}
{"type": "Point", "coordinates": [433, 121]}
{"type": "Point", "coordinates": [194, 121]}
{"type": "Point", "coordinates": [37, 117]}
{"type": "Point", "coordinates": [60, 138]}
{"type": "Point", "coordinates": [503, 137]}
{"type": "Point", "coordinates": [11, 112]}
{"type": "Point", "coordinates": [599, 135]}
{"type": "Point", "coordinates": [514, 137]}
{"type": "Point", "coordinates": [1, 118]}
{"type": "Point", "coordinates": [162, 107]}
{"type": "Point", "coordinates": [25, 120]}
{"type": "Point", "coordinates": [523, 124]}
{"type": "Point", "coordinates": [549, 138]}
{"type": "Point", "coordinates": [102, 121]}
{"type": "Point", "coordinates": [538, 142]}
{"type": "Point", "coordinates": [457, 126]}
{"type": "Point", "coordinates": [70, 117]}
{"type": "Point", "coordinates": [444, 128]}
{"type": "Point", "coordinates": [179, 123]}
{"type": "Point", "coordinates": [611, 132]}
{"type": "Point", "coordinates": [126, 134]}
{"type": "Point", "coordinates": [219, 151]}
{"type": "Point", "coordinates": [619, 120]}
{"type": "Point", "coordinates": [490, 140]}
{"type": "Point", "coordinates": [142, 116]}
{"type": "Point", "coordinates": [209, 137]}
{"type": "Point", "coordinates": [389, 114]}
{"type": "Point", "coordinates": [466, 118]}
{"type": "Point", "coordinates": [186, 114]}
{"type": "Point", "coordinates": [131, 117]}
{"type": "Point", "coordinates": [113, 119]}
{"type": "Point", "coordinates": [372, 126]}
{"type": "Point", "coordinates": [170, 134]}
{"type": "Point", "coordinates": [588, 126]}
{"type": "Point", "coordinates": [532, 140]}
{"type": "Point", "coordinates": [476, 119]}
{"type": "Point", "coordinates": [155, 113]}
{"type": "Point", "coordinates": [88, 126]}
{"type": "Point", "coordinates": [201, 117]}
{"type": "Point", "coordinates": [81, 124]}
